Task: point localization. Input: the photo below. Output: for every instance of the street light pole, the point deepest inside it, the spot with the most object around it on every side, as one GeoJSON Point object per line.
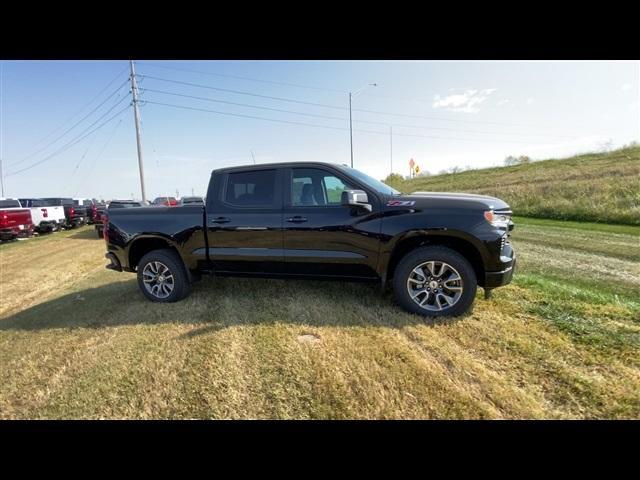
{"type": "Point", "coordinates": [391, 145]}
{"type": "Point", "coordinates": [351, 95]}
{"type": "Point", "coordinates": [350, 130]}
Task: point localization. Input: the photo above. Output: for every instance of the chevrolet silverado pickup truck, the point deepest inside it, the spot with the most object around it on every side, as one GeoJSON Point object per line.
{"type": "Point", "coordinates": [320, 221]}
{"type": "Point", "coordinates": [15, 221]}
{"type": "Point", "coordinates": [74, 216]}
{"type": "Point", "coordinates": [45, 217]}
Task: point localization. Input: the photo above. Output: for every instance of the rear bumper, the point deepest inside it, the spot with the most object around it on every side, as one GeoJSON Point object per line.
{"type": "Point", "coordinates": [115, 263]}
{"type": "Point", "coordinates": [500, 278]}
{"type": "Point", "coordinates": [13, 232]}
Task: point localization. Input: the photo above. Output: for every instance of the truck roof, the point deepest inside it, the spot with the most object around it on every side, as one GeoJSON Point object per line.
{"type": "Point", "coordinates": [278, 165]}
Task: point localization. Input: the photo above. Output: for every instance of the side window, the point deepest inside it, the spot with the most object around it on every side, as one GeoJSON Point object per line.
{"type": "Point", "coordinates": [251, 189]}
{"type": "Point", "coordinates": [315, 187]}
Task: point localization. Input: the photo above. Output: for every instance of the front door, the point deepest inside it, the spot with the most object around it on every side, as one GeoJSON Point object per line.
{"type": "Point", "coordinates": [322, 237]}
{"type": "Point", "coordinates": [244, 222]}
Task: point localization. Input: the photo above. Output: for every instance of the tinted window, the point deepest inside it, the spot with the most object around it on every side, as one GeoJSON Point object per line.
{"type": "Point", "coordinates": [124, 204]}
{"type": "Point", "coordinates": [316, 187]}
{"type": "Point", "coordinates": [9, 204]}
{"type": "Point", "coordinates": [255, 189]}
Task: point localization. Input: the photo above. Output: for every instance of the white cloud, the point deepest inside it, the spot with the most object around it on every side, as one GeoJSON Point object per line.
{"type": "Point", "coordinates": [626, 86]}
{"type": "Point", "coordinates": [529, 100]}
{"type": "Point", "coordinates": [502, 102]}
{"type": "Point", "coordinates": [466, 102]}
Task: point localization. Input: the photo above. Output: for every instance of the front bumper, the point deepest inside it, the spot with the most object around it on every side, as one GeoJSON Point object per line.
{"type": "Point", "coordinates": [500, 278]}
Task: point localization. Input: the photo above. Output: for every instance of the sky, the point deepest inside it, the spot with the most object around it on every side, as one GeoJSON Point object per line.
{"type": "Point", "coordinates": [67, 127]}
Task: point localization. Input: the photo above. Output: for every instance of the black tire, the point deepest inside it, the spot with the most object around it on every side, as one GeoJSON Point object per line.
{"type": "Point", "coordinates": [172, 261]}
{"type": "Point", "coordinates": [445, 255]}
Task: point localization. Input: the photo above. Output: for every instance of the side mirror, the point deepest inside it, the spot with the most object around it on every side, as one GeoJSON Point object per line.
{"type": "Point", "coordinates": [356, 198]}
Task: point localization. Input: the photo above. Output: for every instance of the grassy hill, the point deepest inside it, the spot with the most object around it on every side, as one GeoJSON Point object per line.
{"type": "Point", "coordinates": [598, 187]}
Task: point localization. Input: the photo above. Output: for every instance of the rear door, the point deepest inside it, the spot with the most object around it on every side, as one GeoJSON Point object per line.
{"type": "Point", "coordinates": [322, 237]}
{"type": "Point", "coordinates": [244, 221]}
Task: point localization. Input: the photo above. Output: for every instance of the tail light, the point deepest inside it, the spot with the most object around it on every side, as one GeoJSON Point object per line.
{"type": "Point", "coordinates": [72, 211]}
{"type": "Point", "coordinates": [4, 218]}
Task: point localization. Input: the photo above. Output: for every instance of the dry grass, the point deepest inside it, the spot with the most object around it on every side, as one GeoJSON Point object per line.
{"type": "Point", "coordinates": [594, 187]}
{"type": "Point", "coordinates": [561, 342]}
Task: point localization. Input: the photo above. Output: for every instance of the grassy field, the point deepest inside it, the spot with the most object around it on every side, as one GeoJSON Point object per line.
{"type": "Point", "coordinates": [599, 187]}
{"type": "Point", "coordinates": [563, 341]}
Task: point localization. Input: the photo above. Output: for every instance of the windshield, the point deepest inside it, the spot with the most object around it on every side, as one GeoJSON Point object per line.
{"type": "Point", "coordinates": [377, 185]}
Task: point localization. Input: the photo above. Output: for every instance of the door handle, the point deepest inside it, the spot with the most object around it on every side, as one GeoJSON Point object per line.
{"type": "Point", "coordinates": [221, 220]}
{"type": "Point", "coordinates": [296, 219]}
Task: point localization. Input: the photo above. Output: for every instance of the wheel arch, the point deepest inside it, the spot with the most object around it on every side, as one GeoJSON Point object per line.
{"type": "Point", "coordinates": [144, 244]}
{"type": "Point", "coordinates": [452, 240]}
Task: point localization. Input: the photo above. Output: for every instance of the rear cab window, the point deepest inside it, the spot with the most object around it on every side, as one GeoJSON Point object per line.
{"type": "Point", "coordinates": [9, 204]}
{"type": "Point", "coordinates": [253, 188]}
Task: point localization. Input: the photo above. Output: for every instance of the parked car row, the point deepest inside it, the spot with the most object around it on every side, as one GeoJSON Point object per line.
{"type": "Point", "coordinates": [22, 217]}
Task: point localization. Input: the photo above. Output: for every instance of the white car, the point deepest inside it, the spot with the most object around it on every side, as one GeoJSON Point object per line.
{"type": "Point", "coordinates": [45, 217]}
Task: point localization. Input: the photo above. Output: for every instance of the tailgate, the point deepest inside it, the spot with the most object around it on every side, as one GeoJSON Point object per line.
{"type": "Point", "coordinates": [14, 218]}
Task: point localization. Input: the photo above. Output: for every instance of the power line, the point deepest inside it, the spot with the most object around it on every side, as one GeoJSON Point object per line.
{"type": "Point", "coordinates": [260, 107]}
{"type": "Point", "coordinates": [335, 107]}
{"type": "Point", "coordinates": [71, 128]}
{"type": "Point", "coordinates": [244, 116]}
{"type": "Point", "coordinates": [238, 92]}
{"type": "Point", "coordinates": [72, 142]}
{"type": "Point", "coordinates": [95, 159]}
{"type": "Point", "coordinates": [272, 82]}
{"type": "Point", "coordinates": [324, 126]}
{"type": "Point", "coordinates": [85, 106]}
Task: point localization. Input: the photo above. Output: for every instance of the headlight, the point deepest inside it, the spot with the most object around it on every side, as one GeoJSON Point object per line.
{"type": "Point", "coordinates": [498, 219]}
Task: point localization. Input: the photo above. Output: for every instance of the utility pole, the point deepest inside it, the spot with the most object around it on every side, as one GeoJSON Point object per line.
{"type": "Point", "coordinates": [136, 115]}
{"type": "Point", "coordinates": [350, 130]}
{"type": "Point", "coordinates": [391, 146]}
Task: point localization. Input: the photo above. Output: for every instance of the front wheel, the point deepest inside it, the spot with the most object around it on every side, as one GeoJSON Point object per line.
{"type": "Point", "coordinates": [435, 281]}
{"type": "Point", "coordinates": [162, 276]}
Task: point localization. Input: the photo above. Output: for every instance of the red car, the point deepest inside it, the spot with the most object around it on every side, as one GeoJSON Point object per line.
{"type": "Point", "coordinates": [14, 221]}
{"type": "Point", "coordinates": [166, 201]}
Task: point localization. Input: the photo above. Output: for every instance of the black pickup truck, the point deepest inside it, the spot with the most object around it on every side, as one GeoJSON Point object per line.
{"type": "Point", "coordinates": [320, 221]}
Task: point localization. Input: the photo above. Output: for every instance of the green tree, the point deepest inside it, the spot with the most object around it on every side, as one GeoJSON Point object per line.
{"type": "Point", "coordinates": [394, 180]}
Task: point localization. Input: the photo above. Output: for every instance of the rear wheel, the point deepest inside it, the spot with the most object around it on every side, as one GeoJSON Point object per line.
{"type": "Point", "coordinates": [162, 276]}
{"type": "Point", "coordinates": [435, 281]}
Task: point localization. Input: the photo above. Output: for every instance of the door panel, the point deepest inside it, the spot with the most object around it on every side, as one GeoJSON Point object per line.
{"type": "Point", "coordinates": [244, 223]}
{"type": "Point", "coordinates": [321, 237]}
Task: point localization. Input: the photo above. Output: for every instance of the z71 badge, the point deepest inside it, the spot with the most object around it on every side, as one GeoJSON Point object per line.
{"type": "Point", "coordinates": [400, 203]}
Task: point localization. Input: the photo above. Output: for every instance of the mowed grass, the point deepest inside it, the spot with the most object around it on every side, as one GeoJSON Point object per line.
{"type": "Point", "coordinates": [563, 341]}
{"type": "Point", "coordinates": [595, 187]}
